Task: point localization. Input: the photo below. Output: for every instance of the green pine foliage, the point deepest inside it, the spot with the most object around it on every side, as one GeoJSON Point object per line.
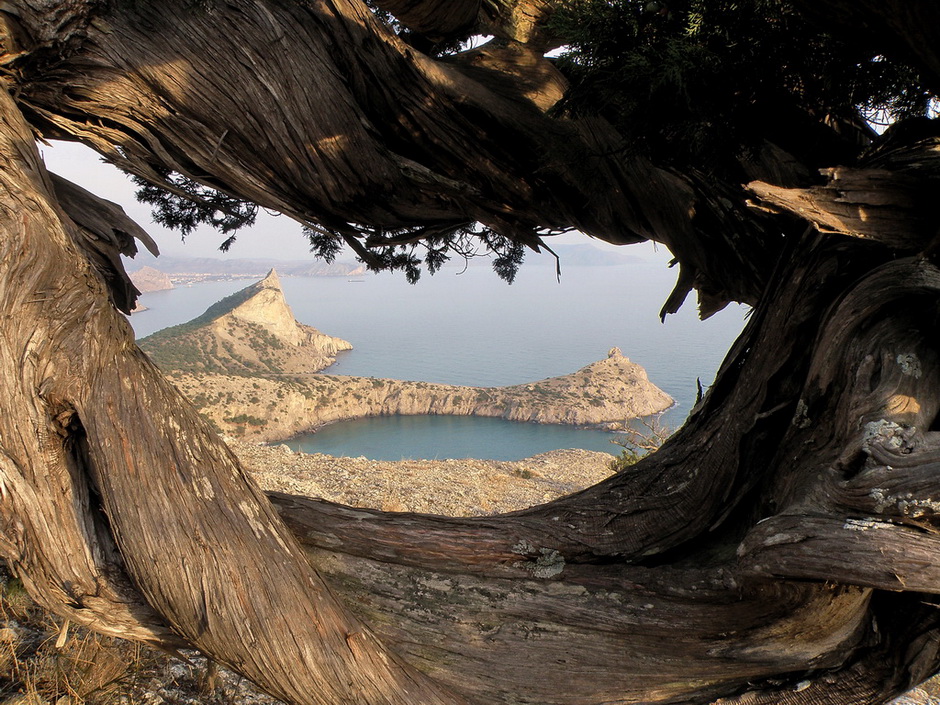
{"type": "Point", "coordinates": [183, 204]}
{"type": "Point", "coordinates": [699, 83]}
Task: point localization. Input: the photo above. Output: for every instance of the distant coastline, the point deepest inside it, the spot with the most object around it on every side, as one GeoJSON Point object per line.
{"type": "Point", "coordinates": [183, 270]}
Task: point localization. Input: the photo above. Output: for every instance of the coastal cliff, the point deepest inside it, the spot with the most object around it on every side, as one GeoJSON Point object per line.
{"type": "Point", "coordinates": [251, 332]}
{"type": "Point", "coordinates": [605, 393]}
{"type": "Point", "coordinates": [148, 280]}
{"type": "Point", "coordinates": [249, 366]}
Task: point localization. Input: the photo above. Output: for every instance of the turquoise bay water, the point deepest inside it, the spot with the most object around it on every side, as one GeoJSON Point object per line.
{"type": "Point", "coordinates": [473, 329]}
{"type": "Point", "coordinates": [436, 437]}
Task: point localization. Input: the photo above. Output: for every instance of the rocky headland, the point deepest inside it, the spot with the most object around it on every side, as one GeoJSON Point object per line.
{"type": "Point", "coordinates": [148, 279]}
{"type": "Point", "coordinates": [605, 393]}
{"type": "Point", "coordinates": [250, 368]}
{"type": "Point", "coordinates": [251, 332]}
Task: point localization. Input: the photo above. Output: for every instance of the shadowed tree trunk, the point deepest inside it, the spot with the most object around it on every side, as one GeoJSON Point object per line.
{"type": "Point", "coordinates": [780, 548]}
{"type": "Point", "coordinates": [173, 496]}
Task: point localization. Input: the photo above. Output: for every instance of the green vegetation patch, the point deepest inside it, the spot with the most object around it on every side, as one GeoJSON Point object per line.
{"type": "Point", "coordinates": [243, 419]}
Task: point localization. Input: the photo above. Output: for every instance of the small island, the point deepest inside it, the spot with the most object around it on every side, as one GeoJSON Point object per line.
{"type": "Point", "coordinates": [252, 370]}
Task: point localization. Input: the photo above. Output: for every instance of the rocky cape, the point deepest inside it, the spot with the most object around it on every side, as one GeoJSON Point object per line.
{"type": "Point", "coordinates": [251, 332]}
{"type": "Point", "coordinates": [605, 393]}
{"type": "Point", "coordinates": [250, 368]}
{"type": "Point", "coordinates": [148, 279]}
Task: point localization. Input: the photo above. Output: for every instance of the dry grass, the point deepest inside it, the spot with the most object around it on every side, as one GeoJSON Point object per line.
{"type": "Point", "coordinates": [41, 665]}
{"type": "Point", "coordinates": [87, 668]}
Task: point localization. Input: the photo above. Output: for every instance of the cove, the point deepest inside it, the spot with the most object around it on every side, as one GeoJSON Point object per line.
{"type": "Point", "coordinates": [440, 437]}
{"type": "Point", "coordinates": [473, 329]}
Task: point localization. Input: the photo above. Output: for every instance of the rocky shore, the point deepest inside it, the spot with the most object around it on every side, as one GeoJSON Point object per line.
{"type": "Point", "coordinates": [270, 408]}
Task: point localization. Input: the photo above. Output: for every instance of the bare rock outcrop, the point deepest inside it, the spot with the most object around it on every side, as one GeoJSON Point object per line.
{"type": "Point", "coordinates": [251, 332]}
{"type": "Point", "coordinates": [148, 279]}
{"type": "Point", "coordinates": [605, 393]}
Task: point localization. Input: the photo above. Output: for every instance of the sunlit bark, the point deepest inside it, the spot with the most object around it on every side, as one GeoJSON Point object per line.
{"type": "Point", "coordinates": [186, 551]}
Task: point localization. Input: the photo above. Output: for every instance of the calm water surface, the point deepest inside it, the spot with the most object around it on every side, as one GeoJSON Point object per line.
{"type": "Point", "coordinates": [473, 329]}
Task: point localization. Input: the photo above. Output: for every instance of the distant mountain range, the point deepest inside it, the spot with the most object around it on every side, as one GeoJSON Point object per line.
{"type": "Point", "coordinates": [585, 255]}
{"type": "Point", "coordinates": [189, 268]}
{"type": "Point", "coordinates": [215, 266]}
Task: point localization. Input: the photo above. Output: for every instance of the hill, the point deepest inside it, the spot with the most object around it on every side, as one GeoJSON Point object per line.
{"type": "Point", "coordinates": [148, 279]}
{"type": "Point", "coordinates": [585, 255]}
{"type": "Point", "coordinates": [183, 269]}
{"type": "Point", "coordinates": [604, 393]}
{"type": "Point", "coordinates": [199, 268]}
{"type": "Point", "coordinates": [251, 332]}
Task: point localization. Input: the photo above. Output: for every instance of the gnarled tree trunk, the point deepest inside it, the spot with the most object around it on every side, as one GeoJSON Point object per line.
{"type": "Point", "coordinates": [122, 509]}
{"type": "Point", "coordinates": [780, 548]}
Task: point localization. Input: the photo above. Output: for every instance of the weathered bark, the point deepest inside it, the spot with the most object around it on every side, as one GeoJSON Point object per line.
{"type": "Point", "coordinates": [778, 549]}
{"type": "Point", "coordinates": [104, 234]}
{"type": "Point", "coordinates": [887, 197]}
{"type": "Point", "coordinates": [181, 553]}
{"type": "Point", "coordinates": [389, 138]}
{"type": "Point", "coordinates": [50, 511]}
{"type": "Point", "coordinates": [546, 579]}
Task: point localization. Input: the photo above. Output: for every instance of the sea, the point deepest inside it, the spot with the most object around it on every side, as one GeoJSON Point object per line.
{"type": "Point", "coordinates": [468, 327]}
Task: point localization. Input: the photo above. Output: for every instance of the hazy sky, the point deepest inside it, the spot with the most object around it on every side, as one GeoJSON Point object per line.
{"type": "Point", "coordinates": [276, 237]}
{"type": "Point", "coordinates": [272, 236]}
